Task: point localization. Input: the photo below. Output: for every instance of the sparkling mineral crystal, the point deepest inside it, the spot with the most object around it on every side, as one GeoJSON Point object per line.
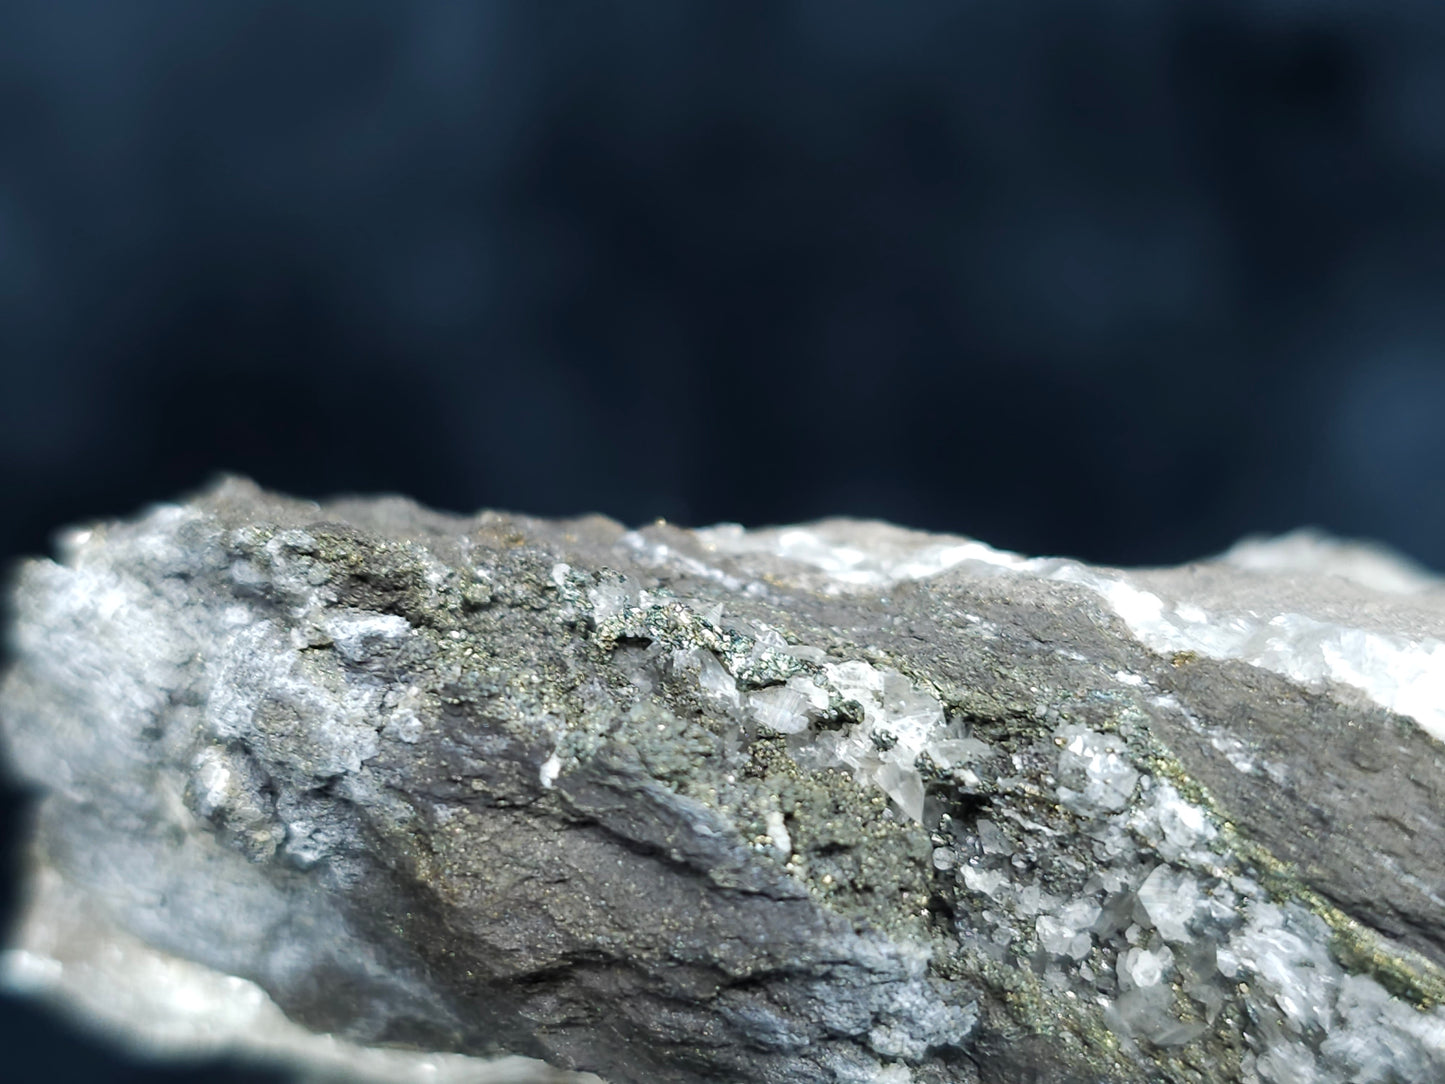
{"type": "Point", "coordinates": [397, 795]}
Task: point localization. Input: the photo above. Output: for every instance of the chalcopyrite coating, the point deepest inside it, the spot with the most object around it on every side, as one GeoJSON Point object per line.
{"type": "Point", "coordinates": [391, 794]}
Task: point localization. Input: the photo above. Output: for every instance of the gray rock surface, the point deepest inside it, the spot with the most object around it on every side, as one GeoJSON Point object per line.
{"type": "Point", "coordinates": [834, 803]}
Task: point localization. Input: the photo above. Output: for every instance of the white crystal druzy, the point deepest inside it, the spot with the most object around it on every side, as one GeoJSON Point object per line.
{"type": "Point", "coordinates": [1304, 605]}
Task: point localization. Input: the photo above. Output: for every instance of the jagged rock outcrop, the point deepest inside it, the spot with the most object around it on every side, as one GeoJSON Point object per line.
{"type": "Point", "coordinates": [832, 803]}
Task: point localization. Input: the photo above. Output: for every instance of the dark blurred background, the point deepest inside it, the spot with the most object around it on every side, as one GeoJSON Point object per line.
{"type": "Point", "coordinates": [1121, 280]}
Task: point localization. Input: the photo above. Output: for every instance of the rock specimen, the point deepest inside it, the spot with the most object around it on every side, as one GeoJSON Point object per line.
{"type": "Point", "coordinates": [836, 803]}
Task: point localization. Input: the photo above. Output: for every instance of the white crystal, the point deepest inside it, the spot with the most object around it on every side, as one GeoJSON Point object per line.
{"type": "Point", "coordinates": [608, 599]}
{"type": "Point", "coordinates": [1286, 952]}
{"type": "Point", "coordinates": [1080, 914]}
{"type": "Point", "coordinates": [778, 833]}
{"type": "Point", "coordinates": [781, 707]}
{"type": "Point", "coordinates": [904, 786]}
{"type": "Point", "coordinates": [1287, 1063]}
{"type": "Point", "coordinates": [988, 882]}
{"type": "Point", "coordinates": [1376, 1038]}
{"type": "Point", "coordinates": [859, 554]}
{"type": "Point", "coordinates": [1143, 967]}
{"type": "Point", "coordinates": [1311, 608]}
{"type": "Point", "coordinates": [358, 637]}
{"type": "Point", "coordinates": [716, 682]}
{"type": "Point", "coordinates": [946, 752]}
{"type": "Point", "coordinates": [1094, 770]}
{"type": "Point", "coordinates": [1031, 899]}
{"type": "Point", "coordinates": [856, 680]}
{"type": "Point", "coordinates": [1313, 552]}
{"type": "Point", "coordinates": [901, 721]}
{"type": "Point", "coordinates": [1221, 903]}
{"type": "Point", "coordinates": [1170, 898]}
{"type": "Point", "coordinates": [1173, 826]}
{"type": "Point", "coordinates": [1067, 933]}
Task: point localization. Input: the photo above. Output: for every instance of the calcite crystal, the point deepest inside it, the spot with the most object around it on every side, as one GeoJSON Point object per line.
{"type": "Point", "coordinates": [832, 803]}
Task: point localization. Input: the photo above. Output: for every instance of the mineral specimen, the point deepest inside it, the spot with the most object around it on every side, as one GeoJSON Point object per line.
{"type": "Point", "coordinates": [833, 803]}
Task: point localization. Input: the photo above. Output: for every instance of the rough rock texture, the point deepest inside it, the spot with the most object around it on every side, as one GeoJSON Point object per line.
{"type": "Point", "coordinates": [835, 803]}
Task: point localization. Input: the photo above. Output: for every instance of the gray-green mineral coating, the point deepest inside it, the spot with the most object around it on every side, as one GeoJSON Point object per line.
{"type": "Point", "coordinates": [839, 803]}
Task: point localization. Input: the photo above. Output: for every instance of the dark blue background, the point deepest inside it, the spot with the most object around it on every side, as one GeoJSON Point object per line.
{"type": "Point", "coordinates": [1123, 280]}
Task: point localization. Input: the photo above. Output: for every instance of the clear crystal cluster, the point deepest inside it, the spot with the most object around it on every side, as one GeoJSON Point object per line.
{"type": "Point", "coordinates": [1271, 617]}
{"type": "Point", "coordinates": [882, 726]}
{"type": "Point", "coordinates": [1164, 929]}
